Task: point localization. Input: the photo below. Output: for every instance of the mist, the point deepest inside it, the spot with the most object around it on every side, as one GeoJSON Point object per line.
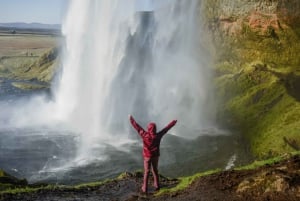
{"type": "Point", "coordinates": [144, 59]}
{"type": "Point", "coordinates": [148, 59]}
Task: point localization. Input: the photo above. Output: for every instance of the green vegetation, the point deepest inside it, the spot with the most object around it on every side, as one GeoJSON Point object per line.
{"type": "Point", "coordinates": [41, 69]}
{"type": "Point", "coordinates": [270, 161]}
{"type": "Point", "coordinates": [184, 182]}
{"type": "Point", "coordinates": [29, 57]}
{"type": "Point", "coordinates": [93, 184]}
{"type": "Point", "coordinates": [257, 85]}
{"type": "Point", "coordinates": [257, 74]}
{"type": "Point", "coordinates": [15, 186]}
{"type": "Point", "coordinates": [27, 189]}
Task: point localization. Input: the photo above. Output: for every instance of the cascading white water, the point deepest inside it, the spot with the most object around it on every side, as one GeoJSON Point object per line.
{"type": "Point", "coordinates": [124, 57]}
{"type": "Point", "coordinates": [145, 58]}
{"type": "Point", "coordinates": [92, 34]}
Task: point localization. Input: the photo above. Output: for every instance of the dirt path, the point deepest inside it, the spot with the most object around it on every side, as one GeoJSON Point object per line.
{"type": "Point", "coordinates": [279, 182]}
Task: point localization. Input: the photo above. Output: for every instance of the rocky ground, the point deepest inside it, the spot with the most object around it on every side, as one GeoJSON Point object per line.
{"type": "Point", "coordinates": [277, 182]}
{"type": "Point", "coordinates": [280, 182]}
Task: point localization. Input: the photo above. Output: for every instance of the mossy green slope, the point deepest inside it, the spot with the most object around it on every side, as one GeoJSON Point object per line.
{"type": "Point", "coordinates": [258, 87]}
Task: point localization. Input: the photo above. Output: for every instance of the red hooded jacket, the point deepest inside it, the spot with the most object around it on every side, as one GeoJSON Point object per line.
{"type": "Point", "coordinates": [151, 139]}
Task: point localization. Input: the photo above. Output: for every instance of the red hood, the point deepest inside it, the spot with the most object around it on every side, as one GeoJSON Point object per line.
{"type": "Point", "coordinates": [151, 139]}
{"type": "Point", "coordinates": [152, 128]}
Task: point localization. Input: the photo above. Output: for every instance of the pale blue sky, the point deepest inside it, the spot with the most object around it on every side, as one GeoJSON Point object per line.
{"type": "Point", "coordinates": [42, 11]}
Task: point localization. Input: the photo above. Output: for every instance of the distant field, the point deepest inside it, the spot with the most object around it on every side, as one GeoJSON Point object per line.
{"type": "Point", "coordinates": [17, 30]}
{"type": "Point", "coordinates": [20, 50]}
{"type": "Point", "coordinates": [25, 43]}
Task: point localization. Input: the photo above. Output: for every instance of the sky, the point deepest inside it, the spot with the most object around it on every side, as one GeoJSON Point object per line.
{"type": "Point", "coordinates": [41, 11]}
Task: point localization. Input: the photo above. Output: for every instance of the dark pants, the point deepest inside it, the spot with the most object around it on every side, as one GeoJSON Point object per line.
{"type": "Point", "coordinates": [153, 163]}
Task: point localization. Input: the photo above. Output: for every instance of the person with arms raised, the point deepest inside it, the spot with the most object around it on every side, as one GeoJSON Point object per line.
{"type": "Point", "coordinates": [151, 143]}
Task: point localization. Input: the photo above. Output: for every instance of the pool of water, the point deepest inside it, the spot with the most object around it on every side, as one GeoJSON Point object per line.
{"type": "Point", "coordinates": [49, 153]}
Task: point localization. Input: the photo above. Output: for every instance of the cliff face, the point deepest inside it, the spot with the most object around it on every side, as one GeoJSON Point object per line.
{"type": "Point", "coordinates": [257, 70]}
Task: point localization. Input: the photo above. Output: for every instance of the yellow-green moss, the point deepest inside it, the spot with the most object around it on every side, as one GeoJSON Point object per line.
{"type": "Point", "coordinates": [15, 189]}
{"type": "Point", "coordinates": [92, 184]}
{"type": "Point", "coordinates": [257, 86]}
{"type": "Point", "coordinates": [27, 189]}
{"type": "Point", "coordinates": [259, 104]}
{"type": "Point", "coordinates": [184, 182]}
{"type": "Point", "coordinates": [270, 161]}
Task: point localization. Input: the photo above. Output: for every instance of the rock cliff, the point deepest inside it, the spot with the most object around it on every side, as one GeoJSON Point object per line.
{"type": "Point", "coordinates": [257, 70]}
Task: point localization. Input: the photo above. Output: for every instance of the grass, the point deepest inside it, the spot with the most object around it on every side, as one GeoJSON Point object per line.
{"type": "Point", "coordinates": [28, 189]}
{"type": "Point", "coordinates": [13, 189]}
{"type": "Point", "coordinates": [270, 161]}
{"type": "Point", "coordinates": [27, 57]}
{"type": "Point", "coordinates": [184, 182]}
{"type": "Point", "coordinates": [257, 164]}
{"type": "Point", "coordinates": [261, 107]}
{"type": "Point", "coordinates": [40, 68]}
{"type": "Point", "coordinates": [7, 188]}
{"type": "Point", "coordinates": [93, 184]}
{"type": "Point", "coordinates": [22, 45]}
{"type": "Point", "coordinates": [257, 88]}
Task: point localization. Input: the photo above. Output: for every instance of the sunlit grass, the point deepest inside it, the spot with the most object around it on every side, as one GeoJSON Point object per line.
{"type": "Point", "coordinates": [184, 182]}
{"type": "Point", "coordinates": [270, 161]}
{"type": "Point", "coordinates": [256, 88]}
{"type": "Point", "coordinates": [93, 184]}
{"type": "Point", "coordinates": [28, 189]}
{"type": "Point", "coordinates": [15, 189]}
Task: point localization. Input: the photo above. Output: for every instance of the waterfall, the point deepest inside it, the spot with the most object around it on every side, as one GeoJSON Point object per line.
{"type": "Point", "coordinates": [147, 58]}
{"type": "Point", "coordinates": [142, 58]}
